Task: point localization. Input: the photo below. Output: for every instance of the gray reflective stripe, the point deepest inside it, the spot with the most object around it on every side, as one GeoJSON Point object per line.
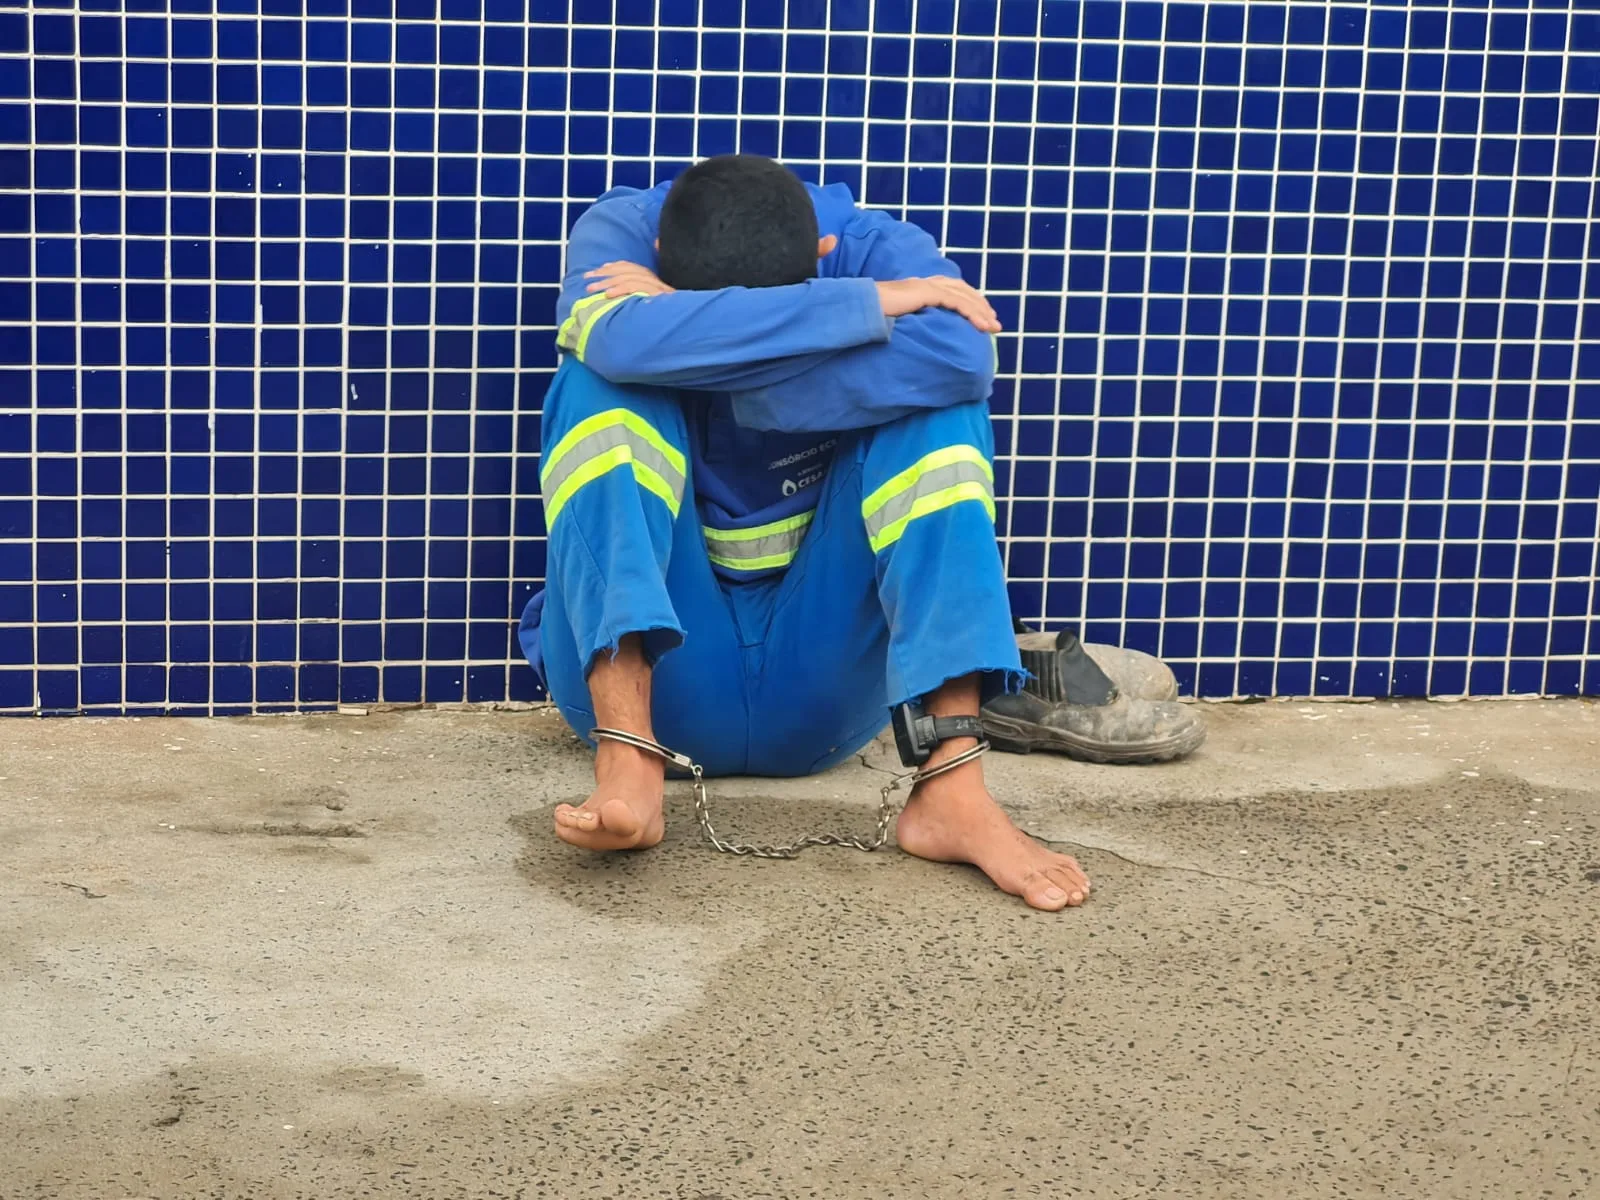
{"type": "Point", "coordinates": [583, 314]}
{"type": "Point", "coordinates": [759, 553]}
{"type": "Point", "coordinates": [898, 507]}
{"type": "Point", "coordinates": [580, 453]}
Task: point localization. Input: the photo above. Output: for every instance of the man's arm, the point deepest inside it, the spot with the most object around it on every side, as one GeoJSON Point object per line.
{"type": "Point", "coordinates": [729, 339]}
{"type": "Point", "coordinates": [934, 358]}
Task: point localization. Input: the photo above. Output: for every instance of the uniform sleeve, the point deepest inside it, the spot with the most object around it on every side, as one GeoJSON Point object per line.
{"type": "Point", "coordinates": [932, 359]}
{"type": "Point", "coordinates": [729, 339]}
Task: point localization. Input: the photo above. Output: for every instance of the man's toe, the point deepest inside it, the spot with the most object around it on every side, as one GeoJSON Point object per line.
{"type": "Point", "coordinates": [1042, 891]}
{"type": "Point", "coordinates": [1070, 870]}
{"type": "Point", "coordinates": [1073, 884]}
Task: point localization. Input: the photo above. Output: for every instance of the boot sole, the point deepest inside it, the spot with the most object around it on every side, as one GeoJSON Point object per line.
{"type": "Point", "coordinates": [1023, 737]}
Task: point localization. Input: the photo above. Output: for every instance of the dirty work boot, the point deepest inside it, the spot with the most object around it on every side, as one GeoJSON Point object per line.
{"type": "Point", "coordinates": [1136, 675]}
{"type": "Point", "coordinates": [1111, 706]}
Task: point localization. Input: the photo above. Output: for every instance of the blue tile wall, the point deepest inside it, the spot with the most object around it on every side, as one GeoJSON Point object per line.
{"type": "Point", "coordinates": [1301, 388]}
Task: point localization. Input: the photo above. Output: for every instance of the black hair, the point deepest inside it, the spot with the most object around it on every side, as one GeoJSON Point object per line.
{"type": "Point", "coordinates": [738, 220]}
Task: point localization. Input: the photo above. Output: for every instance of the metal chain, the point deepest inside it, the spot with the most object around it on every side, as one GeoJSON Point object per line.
{"type": "Point", "coordinates": [886, 806]}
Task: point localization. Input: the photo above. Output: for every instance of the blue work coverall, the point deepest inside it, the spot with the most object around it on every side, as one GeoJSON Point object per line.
{"type": "Point", "coordinates": [789, 496]}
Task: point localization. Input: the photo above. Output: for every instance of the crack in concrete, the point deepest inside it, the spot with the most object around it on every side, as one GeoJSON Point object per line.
{"type": "Point", "coordinates": [284, 829]}
{"type": "Point", "coordinates": [83, 891]}
{"type": "Point", "coordinates": [176, 1099]}
{"type": "Point", "coordinates": [1566, 1076]}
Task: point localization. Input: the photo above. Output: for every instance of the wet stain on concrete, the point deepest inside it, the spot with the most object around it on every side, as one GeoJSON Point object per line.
{"type": "Point", "coordinates": [1325, 1015]}
{"type": "Point", "coordinates": [1383, 993]}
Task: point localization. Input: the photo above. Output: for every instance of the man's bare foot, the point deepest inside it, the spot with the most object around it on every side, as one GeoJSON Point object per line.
{"type": "Point", "coordinates": [953, 818]}
{"type": "Point", "coordinates": [624, 813]}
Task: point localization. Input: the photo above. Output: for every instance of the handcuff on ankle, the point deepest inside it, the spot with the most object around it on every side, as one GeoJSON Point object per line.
{"type": "Point", "coordinates": [916, 735]}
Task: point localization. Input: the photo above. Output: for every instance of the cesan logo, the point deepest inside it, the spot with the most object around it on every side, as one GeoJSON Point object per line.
{"type": "Point", "coordinates": [806, 479]}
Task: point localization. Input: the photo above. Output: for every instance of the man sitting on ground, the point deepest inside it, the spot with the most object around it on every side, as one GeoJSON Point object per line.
{"type": "Point", "coordinates": [768, 484]}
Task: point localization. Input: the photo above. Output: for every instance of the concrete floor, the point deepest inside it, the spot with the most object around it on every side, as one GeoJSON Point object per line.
{"type": "Point", "coordinates": [1344, 952]}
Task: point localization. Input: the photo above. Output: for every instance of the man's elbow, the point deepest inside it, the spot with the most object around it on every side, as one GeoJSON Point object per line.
{"type": "Point", "coordinates": [960, 359]}
{"type": "Point", "coordinates": [610, 344]}
{"type": "Point", "coordinates": [613, 362]}
{"type": "Point", "coordinates": [972, 366]}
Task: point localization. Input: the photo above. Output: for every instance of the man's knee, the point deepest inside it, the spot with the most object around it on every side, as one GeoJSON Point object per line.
{"type": "Point", "coordinates": [968, 424]}
{"type": "Point", "coordinates": [578, 391]}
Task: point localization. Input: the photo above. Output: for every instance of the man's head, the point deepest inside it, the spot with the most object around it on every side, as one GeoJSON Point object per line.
{"type": "Point", "coordinates": [738, 221]}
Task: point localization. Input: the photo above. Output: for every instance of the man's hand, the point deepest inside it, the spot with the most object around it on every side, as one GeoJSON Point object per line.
{"type": "Point", "coordinates": [625, 279]}
{"type": "Point", "coordinates": [903, 296]}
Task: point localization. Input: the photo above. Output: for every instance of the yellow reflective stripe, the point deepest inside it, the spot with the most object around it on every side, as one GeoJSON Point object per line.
{"type": "Point", "coordinates": [629, 420]}
{"type": "Point", "coordinates": [604, 442]}
{"type": "Point", "coordinates": [947, 476]}
{"type": "Point", "coordinates": [597, 466]}
{"type": "Point", "coordinates": [759, 548]}
{"type": "Point", "coordinates": [933, 502]}
{"type": "Point", "coordinates": [764, 563]}
{"type": "Point", "coordinates": [580, 324]}
{"type": "Point", "coordinates": [759, 531]}
{"type": "Point", "coordinates": [567, 339]}
{"type": "Point", "coordinates": [908, 478]}
{"type": "Point", "coordinates": [594, 319]}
